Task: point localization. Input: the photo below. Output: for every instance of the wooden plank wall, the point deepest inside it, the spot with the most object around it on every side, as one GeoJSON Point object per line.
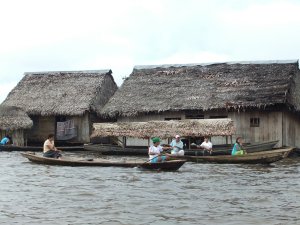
{"type": "Point", "coordinates": [83, 128]}
{"type": "Point", "coordinates": [145, 118]}
{"type": "Point", "coordinates": [42, 127]}
{"type": "Point", "coordinates": [18, 137]}
{"type": "Point", "coordinates": [291, 129]}
{"type": "Point", "coordinates": [270, 127]}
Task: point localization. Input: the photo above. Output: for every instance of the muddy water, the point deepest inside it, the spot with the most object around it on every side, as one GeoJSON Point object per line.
{"type": "Point", "coordinates": [196, 194]}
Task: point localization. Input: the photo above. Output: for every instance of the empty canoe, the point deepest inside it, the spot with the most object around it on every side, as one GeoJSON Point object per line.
{"type": "Point", "coordinates": [264, 157]}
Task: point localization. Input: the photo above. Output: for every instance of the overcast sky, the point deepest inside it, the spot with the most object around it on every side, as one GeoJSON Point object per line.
{"type": "Point", "coordinates": [64, 35]}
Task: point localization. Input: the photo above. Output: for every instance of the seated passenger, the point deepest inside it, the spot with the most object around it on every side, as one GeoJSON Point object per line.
{"type": "Point", "coordinates": [206, 146]}
{"type": "Point", "coordinates": [238, 147]}
{"type": "Point", "coordinates": [5, 140]}
{"type": "Point", "coordinates": [177, 146]}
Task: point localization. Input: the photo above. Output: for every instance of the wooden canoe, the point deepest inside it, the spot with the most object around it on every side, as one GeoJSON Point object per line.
{"type": "Point", "coordinates": [107, 149]}
{"type": "Point", "coordinates": [265, 157]}
{"type": "Point", "coordinates": [260, 146]}
{"type": "Point", "coordinates": [171, 165]}
{"type": "Point", "coordinates": [226, 149]}
{"type": "Point", "coordinates": [67, 161]}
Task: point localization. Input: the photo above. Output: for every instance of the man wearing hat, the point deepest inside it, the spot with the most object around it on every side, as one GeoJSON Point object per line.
{"type": "Point", "coordinates": [155, 151]}
{"type": "Point", "coordinates": [177, 146]}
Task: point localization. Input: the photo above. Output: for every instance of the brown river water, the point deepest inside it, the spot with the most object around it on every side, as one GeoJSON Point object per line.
{"type": "Point", "coordinates": [196, 194]}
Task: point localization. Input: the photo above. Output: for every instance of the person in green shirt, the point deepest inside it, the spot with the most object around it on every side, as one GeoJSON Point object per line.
{"type": "Point", "coordinates": [238, 147]}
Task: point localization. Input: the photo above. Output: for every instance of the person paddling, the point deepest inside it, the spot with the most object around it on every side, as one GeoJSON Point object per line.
{"type": "Point", "coordinates": [238, 147]}
{"type": "Point", "coordinates": [49, 149]}
{"type": "Point", "coordinates": [155, 151]}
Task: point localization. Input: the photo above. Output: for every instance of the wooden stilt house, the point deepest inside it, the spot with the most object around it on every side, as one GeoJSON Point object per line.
{"type": "Point", "coordinates": [261, 97]}
{"type": "Point", "coordinates": [15, 123]}
{"type": "Point", "coordinates": [64, 103]}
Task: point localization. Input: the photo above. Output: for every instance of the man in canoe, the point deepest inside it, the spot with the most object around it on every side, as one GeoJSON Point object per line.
{"type": "Point", "coordinates": [238, 147]}
{"type": "Point", "coordinates": [206, 146]}
{"type": "Point", "coordinates": [155, 151]}
{"type": "Point", "coordinates": [49, 148]}
{"type": "Point", "coordinates": [177, 146]}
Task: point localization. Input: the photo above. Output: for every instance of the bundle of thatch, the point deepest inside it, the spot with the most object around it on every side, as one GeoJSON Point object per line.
{"type": "Point", "coordinates": [164, 129]}
{"type": "Point", "coordinates": [13, 118]}
{"type": "Point", "coordinates": [232, 85]}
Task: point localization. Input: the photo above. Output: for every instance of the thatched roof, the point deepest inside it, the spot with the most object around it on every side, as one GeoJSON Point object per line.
{"type": "Point", "coordinates": [13, 118]}
{"type": "Point", "coordinates": [164, 129]}
{"type": "Point", "coordinates": [235, 85]}
{"type": "Point", "coordinates": [62, 93]}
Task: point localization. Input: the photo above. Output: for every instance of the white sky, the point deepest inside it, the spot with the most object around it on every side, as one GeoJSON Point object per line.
{"type": "Point", "coordinates": [118, 34]}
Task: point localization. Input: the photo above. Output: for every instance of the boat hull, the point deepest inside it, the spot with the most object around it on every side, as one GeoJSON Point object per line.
{"type": "Point", "coordinates": [250, 148]}
{"type": "Point", "coordinates": [164, 166]}
{"type": "Point", "coordinates": [172, 165]}
{"type": "Point", "coordinates": [265, 157]}
{"type": "Point", "coordinates": [224, 150]}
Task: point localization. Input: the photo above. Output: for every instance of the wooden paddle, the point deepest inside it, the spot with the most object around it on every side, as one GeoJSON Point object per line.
{"type": "Point", "coordinates": [165, 145]}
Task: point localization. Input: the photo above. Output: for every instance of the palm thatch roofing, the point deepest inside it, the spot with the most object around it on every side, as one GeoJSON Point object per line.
{"type": "Point", "coordinates": [62, 92]}
{"type": "Point", "coordinates": [165, 129]}
{"type": "Point", "coordinates": [13, 118]}
{"type": "Point", "coordinates": [231, 85]}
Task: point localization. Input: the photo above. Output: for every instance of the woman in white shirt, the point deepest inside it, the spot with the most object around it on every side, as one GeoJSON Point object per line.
{"type": "Point", "coordinates": [155, 151]}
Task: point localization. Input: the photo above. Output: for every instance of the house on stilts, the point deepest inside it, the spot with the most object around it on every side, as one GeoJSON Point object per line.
{"type": "Point", "coordinates": [15, 123]}
{"type": "Point", "coordinates": [261, 97]}
{"type": "Point", "coordinates": [64, 103]}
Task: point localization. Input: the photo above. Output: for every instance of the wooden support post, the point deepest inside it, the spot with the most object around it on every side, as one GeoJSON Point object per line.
{"type": "Point", "coordinates": [25, 134]}
{"type": "Point", "coordinates": [124, 142]}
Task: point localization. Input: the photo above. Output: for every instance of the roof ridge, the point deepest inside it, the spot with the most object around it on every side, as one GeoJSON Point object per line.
{"type": "Point", "coordinates": [138, 67]}
{"type": "Point", "coordinates": [104, 71]}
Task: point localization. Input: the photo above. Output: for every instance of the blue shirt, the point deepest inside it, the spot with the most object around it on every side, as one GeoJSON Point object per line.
{"type": "Point", "coordinates": [178, 146]}
{"type": "Point", "coordinates": [4, 141]}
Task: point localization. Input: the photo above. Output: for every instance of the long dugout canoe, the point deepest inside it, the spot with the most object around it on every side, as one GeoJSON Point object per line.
{"type": "Point", "coordinates": [106, 149]}
{"type": "Point", "coordinates": [68, 161]}
{"type": "Point", "coordinates": [265, 157]}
